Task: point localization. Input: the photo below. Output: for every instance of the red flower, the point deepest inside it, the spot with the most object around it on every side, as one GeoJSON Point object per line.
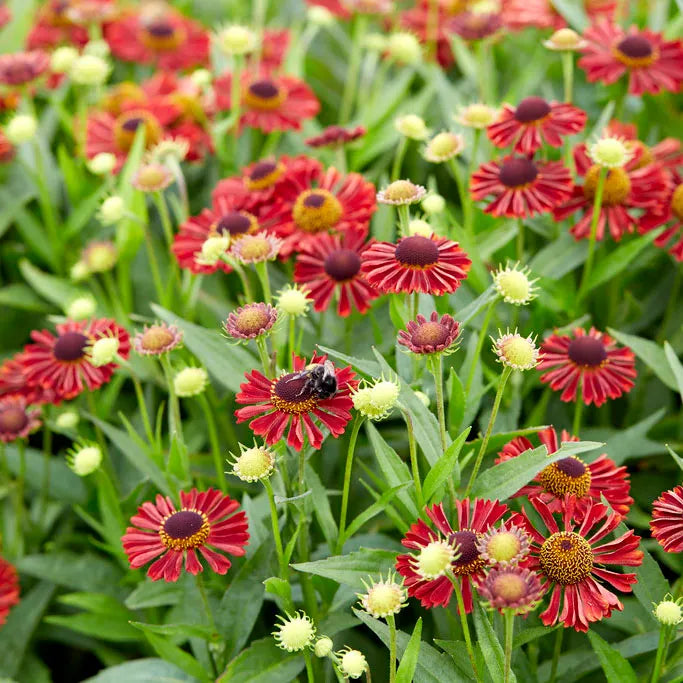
{"type": "Point", "coordinates": [5, 15]}
{"type": "Point", "coordinates": [625, 191]}
{"type": "Point", "coordinates": [269, 103]}
{"type": "Point", "coordinates": [670, 213]}
{"type": "Point", "coordinates": [163, 38]}
{"type": "Point", "coordinates": [9, 589]}
{"type": "Point", "coordinates": [274, 47]}
{"type": "Point", "coordinates": [16, 422]}
{"type": "Point", "coordinates": [21, 68]}
{"type": "Point", "coordinates": [417, 20]}
{"type": "Point", "coordinates": [311, 202]}
{"type": "Point", "coordinates": [591, 358]}
{"type": "Point", "coordinates": [473, 520]}
{"type": "Point", "coordinates": [667, 520]}
{"type": "Point", "coordinates": [432, 265]}
{"type": "Point", "coordinates": [534, 122]}
{"type": "Point", "coordinates": [331, 263]}
{"type": "Point", "coordinates": [572, 476]}
{"type": "Point", "coordinates": [436, 335]}
{"type": "Point", "coordinates": [53, 26]}
{"type": "Point", "coordinates": [572, 562]}
{"type": "Point", "coordinates": [289, 403]}
{"type": "Point", "coordinates": [13, 382]}
{"type": "Point", "coordinates": [61, 362]}
{"type": "Point", "coordinates": [204, 521]}
{"type": "Point", "coordinates": [521, 187]}
{"type": "Point", "coordinates": [518, 14]}
{"type": "Point", "coordinates": [336, 136]}
{"type": "Point", "coordinates": [653, 64]}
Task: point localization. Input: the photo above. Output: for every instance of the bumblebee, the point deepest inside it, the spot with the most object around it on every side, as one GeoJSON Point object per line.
{"type": "Point", "coordinates": [321, 380]}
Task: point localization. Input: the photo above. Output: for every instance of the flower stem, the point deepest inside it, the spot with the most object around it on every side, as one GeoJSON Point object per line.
{"type": "Point", "coordinates": [262, 272]}
{"type": "Point", "coordinates": [176, 425]}
{"type": "Point", "coordinates": [347, 482]}
{"type": "Point", "coordinates": [520, 240]}
{"type": "Point", "coordinates": [284, 570]}
{"type": "Point", "coordinates": [403, 220]}
{"type": "Point", "coordinates": [263, 355]}
{"type": "Point", "coordinates": [664, 634]}
{"type": "Point", "coordinates": [245, 281]}
{"type": "Point", "coordinates": [413, 458]}
{"type": "Point", "coordinates": [568, 74]}
{"type": "Point", "coordinates": [292, 342]}
{"type": "Point", "coordinates": [45, 485]}
{"type": "Point", "coordinates": [309, 668]}
{"type": "Point", "coordinates": [392, 648]}
{"type": "Point", "coordinates": [209, 616]}
{"type": "Point", "coordinates": [351, 82]}
{"type": "Point", "coordinates": [154, 267]}
{"type": "Point", "coordinates": [509, 617]}
{"type": "Point", "coordinates": [578, 410]}
{"type": "Point", "coordinates": [507, 371]}
{"type": "Point", "coordinates": [235, 96]}
{"type": "Point", "coordinates": [463, 622]}
{"type": "Point", "coordinates": [556, 655]}
{"type": "Point", "coordinates": [597, 203]}
{"type": "Point", "coordinates": [436, 367]}
{"type": "Point", "coordinates": [20, 513]}
{"type": "Point", "coordinates": [215, 445]}
{"type": "Point", "coordinates": [398, 158]}
{"type": "Point", "coordinates": [480, 345]}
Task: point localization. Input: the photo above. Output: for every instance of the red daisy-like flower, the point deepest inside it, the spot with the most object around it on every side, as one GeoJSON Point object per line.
{"type": "Point", "coordinates": [436, 335]}
{"type": "Point", "coordinates": [572, 476]}
{"type": "Point", "coordinates": [625, 191]}
{"type": "Point", "coordinates": [9, 589]}
{"type": "Point", "coordinates": [521, 187]}
{"type": "Point", "coordinates": [21, 68]}
{"type": "Point", "coordinates": [519, 14]}
{"type": "Point", "coordinates": [269, 102]}
{"type": "Point", "coordinates": [591, 358]}
{"type": "Point", "coordinates": [652, 63]}
{"type": "Point", "coordinates": [204, 521]}
{"type": "Point", "coordinates": [61, 362]}
{"type": "Point", "coordinates": [289, 403]}
{"type": "Point", "coordinates": [311, 203]}
{"type": "Point", "coordinates": [54, 26]}
{"type": "Point", "coordinates": [534, 122]}
{"type": "Point", "coordinates": [572, 561]}
{"type": "Point", "coordinates": [274, 46]}
{"type": "Point", "coordinates": [418, 21]}
{"type": "Point", "coordinates": [16, 421]}
{"type": "Point", "coordinates": [330, 264]}
{"type": "Point", "coordinates": [13, 382]}
{"type": "Point", "coordinates": [475, 25]}
{"type": "Point", "coordinates": [336, 136]}
{"type": "Point", "coordinates": [670, 213]}
{"type": "Point", "coordinates": [473, 519]}
{"type": "Point", "coordinates": [432, 265]}
{"type": "Point", "coordinates": [667, 520]}
{"type": "Point", "coordinates": [164, 38]}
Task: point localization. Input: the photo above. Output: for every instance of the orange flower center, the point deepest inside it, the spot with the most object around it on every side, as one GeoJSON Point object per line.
{"type": "Point", "coordinates": [587, 351]}
{"type": "Point", "coordinates": [12, 419]}
{"type": "Point", "coordinates": [264, 95]}
{"type": "Point", "coordinates": [468, 559]}
{"type": "Point", "coordinates": [316, 211]}
{"type": "Point", "coordinates": [517, 172]}
{"type": "Point", "coordinates": [615, 190]}
{"type": "Point", "coordinates": [184, 530]}
{"type": "Point", "coordinates": [568, 475]}
{"type": "Point", "coordinates": [291, 395]}
{"type": "Point", "coordinates": [677, 202]}
{"type": "Point", "coordinates": [417, 252]}
{"type": "Point", "coordinates": [70, 347]}
{"type": "Point", "coordinates": [635, 52]}
{"type": "Point", "coordinates": [127, 124]}
{"type": "Point", "coordinates": [566, 558]}
{"type": "Point", "coordinates": [162, 35]}
{"type": "Point", "coordinates": [264, 174]}
{"type": "Point", "coordinates": [342, 265]}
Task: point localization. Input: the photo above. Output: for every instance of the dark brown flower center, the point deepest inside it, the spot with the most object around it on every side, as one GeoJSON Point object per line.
{"type": "Point", "coordinates": [468, 559]}
{"type": "Point", "coordinates": [417, 252]}
{"type": "Point", "coordinates": [635, 47]}
{"type": "Point", "coordinates": [587, 351]}
{"type": "Point", "coordinates": [342, 264]}
{"type": "Point", "coordinates": [264, 95]}
{"type": "Point", "coordinates": [264, 89]}
{"type": "Point", "coordinates": [131, 125]}
{"type": "Point", "coordinates": [12, 419]}
{"type": "Point", "coordinates": [70, 346]}
{"type": "Point", "coordinates": [160, 28]}
{"type": "Point", "coordinates": [233, 223]}
{"type": "Point", "coordinates": [517, 172]}
{"type": "Point", "coordinates": [430, 334]}
{"type": "Point", "coordinates": [290, 394]}
{"type": "Point", "coordinates": [262, 169]}
{"type": "Point", "coordinates": [184, 530]}
{"type": "Point", "coordinates": [566, 558]}
{"type": "Point", "coordinates": [532, 109]}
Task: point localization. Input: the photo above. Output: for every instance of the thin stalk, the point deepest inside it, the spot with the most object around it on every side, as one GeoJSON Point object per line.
{"type": "Point", "coordinates": [662, 647]}
{"type": "Point", "coordinates": [292, 342]}
{"type": "Point", "coordinates": [45, 485]}
{"type": "Point", "coordinates": [46, 204]}
{"type": "Point", "coordinates": [236, 96]}
{"type": "Point", "coordinates": [263, 355]}
{"type": "Point", "coordinates": [347, 482]}
{"type": "Point", "coordinates": [174, 405]}
{"type": "Point", "coordinates": [284, 569]}
{"type": "Point", "coordinates": [351, 81]}
{"type": "Point", "coordinates": [403, 220]}
{"type": "Point", "coordinates": [463, 622]}
{"type": "Point", "coordinates": [597, 203]}
{"type": "Point", "coordinates": [262, 272]}
{"type": "Point", "coordinates": [460, 182]}
{"type": "Point", "coordinates": [398, 158]}
{"type": "Point", "coordinates": [154, 267]}
{"type": "Point", "coordinates": [20, 513]}
{"type": "Point", "coordinates": [115, 297]}
{"type": "Point", "coordinates": [412, 445]}
{"type": "Point", "coordinates": [416, 305]}
{"type": "Point", "coordinates": [568, 74]}
{"type": "Point", "coordinates": [578, 410]}
{"type": "Point", "coordinates": [149, 432]}
{"type": "Point", "coordinates": [249, 295]}
{"type": "Point", "coordinates": [392, 648]}
{"type": "Point", "coordinates": [507, 371]}
{"type": "Point", "coordinates": [213, 440]}
{"type": "Point", "coordinates": [480, 346]}
{"type": "Point", "coordinates": [436, 367]}
{"type": "Point", "coordinates": [165, 216]}
{"type": "Point", "coordinates": [509, 618]}
{"type": "Point", "coordinates": [557, 649]}
{"type": "Point", "coordinates": [672, 306]}
{"type": "Point", "coordinates": [309, 667]}
{"type": "Point", "coordinates": [209, 616]}
{"type": "Point", "coordinates": [520, 240]}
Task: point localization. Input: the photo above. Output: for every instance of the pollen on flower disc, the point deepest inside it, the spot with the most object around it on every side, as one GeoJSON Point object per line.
{"type": "Point", "coordinates": [342, 264]}
{"type": "Point", "coordinates": [509, 586]}
{"type": "Point", "coordinates": [290, 395]}
{"type": "Point", "coordinates": [616, 187]}
{"type": "Point", "coordinates": [517, 172]}
{"type": "Point", "coordinates": [532, 109]}
{"type": "Point", "coordinates": [417, 251]}
{"type": "Point", "coordinates": [251, 320]}
{"type": "Point", "coordinates": [430, 334]}
{"type": "Point", "coordinates": [587, 351]}
{"type": "Point", "coordinates": [566, 558]}
{"type": "Point", "coordinates": [13, 419]}
{"type": "Point", "coordinates": [468, 559]}
{"type": "Point", "coordinates": [70, 346]}
{"type": "Point", "coordinates": [316, 211]}
{"type": "Point", "coordinates": [569, 475]}
{"type": "Point", "coordinates": [677, 202]}
{"type": "Point", "coordinates": [155, 338]}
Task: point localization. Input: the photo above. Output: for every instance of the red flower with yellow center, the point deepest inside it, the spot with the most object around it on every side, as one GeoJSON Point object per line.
{"type": "Point", "coordinates": [534, 122]}
{"type": "Point", "coordinates": [9, 589]}
{"type": "Point", "coordinates": [520, 14]}
{"type": "Point", "coordinates": [521, 187]}
{"type": "Point", "coordinates": [163, 38]}
{"type": "Point", "coordinates": [591, 359]}
{"type": "Point", "coordinates": [669, 213]}
{"type": "Point", "coordinates": [204, 521]}
{"type": "Point", "coordinates": [16, 421]}
{"type": "Point", "coordinates": [473, 519]}
{"type": "Point", "coordinates": [269, 103]}
{"type": "Point", "coordinates": [289, 403]}
{"type": "Point", "coordinates": [667, 520]}
{"type": "Point", "coordinates": [329, 265]}
{"type": "Point", "coordinates": [652, 63]}
{"type": "Point", "coordinates": [432, 265]}
{"type": "Point", "coordinates": [626, 191]}
{"type": "Point", "coordinates": [587, 482]}
{"type": "Point", "coordinates": [61, 362]}
{"type": "Point", "coordinates": [573, 562]}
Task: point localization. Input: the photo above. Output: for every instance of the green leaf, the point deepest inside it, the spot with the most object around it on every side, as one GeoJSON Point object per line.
{"type": "Point", "coordinates": [677, 458]}
{"type": "Point", "coordinates": [263, 662]}
{"type": "Point", "coordinates": [321, 506]}
{"type": "Point", "coordinates": [444, 466]}
{"type": "Point", "coordinates": [23, 298]}
{"type": "Point", "coordinates": [367, 367]}
{"type": "Point", "coordinates": [185, 631]}
{"type": "Point", "coordinates": [20, 625]}
{"type": "Point", "coordinates": [632, 441]}
{"type": "Point", "coordinates": [505, 479]}
{"type": "Point", "coordinates": [573, 12]}
{"type": "Point", "coordinates": [616, 668]}
{"type": "Point", "coordinates": [528, 635]}
{"type": "Point", "coordinates": [650, 353]}
{"type": "Point", "coordinates": [96, 625]}
{"type": "Point", "coordinates": [490, 645]}
{"type": "Point", "coordinates": [374, 509]}
{"type": "Point", "coordinates": [457, 401]}
{"type": "Point", "coordinates": [52, 288]}
{"type": "Point", "coordinates": [149, 670]}
{"type": "Point", "coordinates": [472, 310]}
{"type": "Point", "coordinates": [675, 365]}
{"type": "Point", "coordinates": [154, 594]}
{"type": "Point", "coordinates": [175, 655]}
{"type": "Point", "coordinates": [349, 569]}
{"type": "Point", "coordinates": [408, 663]}
{"type": "Point", "coordinates": [227, 363]}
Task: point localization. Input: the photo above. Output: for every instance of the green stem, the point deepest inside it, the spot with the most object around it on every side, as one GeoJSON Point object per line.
{"type": "Point", "coordinates": [403, 220]}
{"type": "Point", "coordinates": [249, 295]}
{"type": "Point", "coordinates": [236, 96]}
{"type": "Point", "coordinates": [507, 371]}
{"type": "Point", "coordinates": [46, 204]}
{"type": "Point", "coordinates": [436, 367]}
{"type": "Point", "coordinates": [412, 445]}
{"type": "Point", "coordinates": [209, 616]}
{"type": "Point", "coordinates": [557, 649]}
{"type": "Point", "coordinates": [20, 514]}
{"type": "Point", "coordinates": [520, 240]}
{"type": "Point", "coordinates": [149, 432]}
{"type": "Point", "coordinates": [284, 569]}
{"type": "Point", "coordinates": [154, 267]}
{"type": "Point", "coordinates": [262, 272]}
{"type": "Point", "coordinates": [664, 634]}
{"type": "Point", "coordinates": [597, 203]}
{"type": "Point", "coordinates": [672, 306]}
{"type": "Point", "coordinates": [460, 183]}
{"type": "Point", "coordinates": [416, 305]}
{"type": "Point", "coordinates": [347, 482]}
{"type": "Point", "coordinates": [309, 667]}
{"type": "Point", "coordinates": [509, 617]}
{"type": "Point", "coordinates": [568, 74]}
{"type": "Point", "coordinates": [480, 345]}
{"type": "Point", "coordinates": [174, 411]}
{"type": "Point", "coordinates": [463, 622]}
{"type": "Point", "coordinates": [115, 297]}
{"type": "Point", "coordinates": [45, 486]}
{"type": "Point", "coordinates": [398, 158]}
{"type": "Point", "coordinates": [213, 440]}
{"type": "Point", "coordinates": [392, 648]}
{"type": "Point", "coordinates": [578, 410]}
{"type": "Point", "coordinates": [263, 355]}
{"type": "Point", "coordinates": [292, 342]}
{"type": "Point", "coordinates": [351, 81]}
